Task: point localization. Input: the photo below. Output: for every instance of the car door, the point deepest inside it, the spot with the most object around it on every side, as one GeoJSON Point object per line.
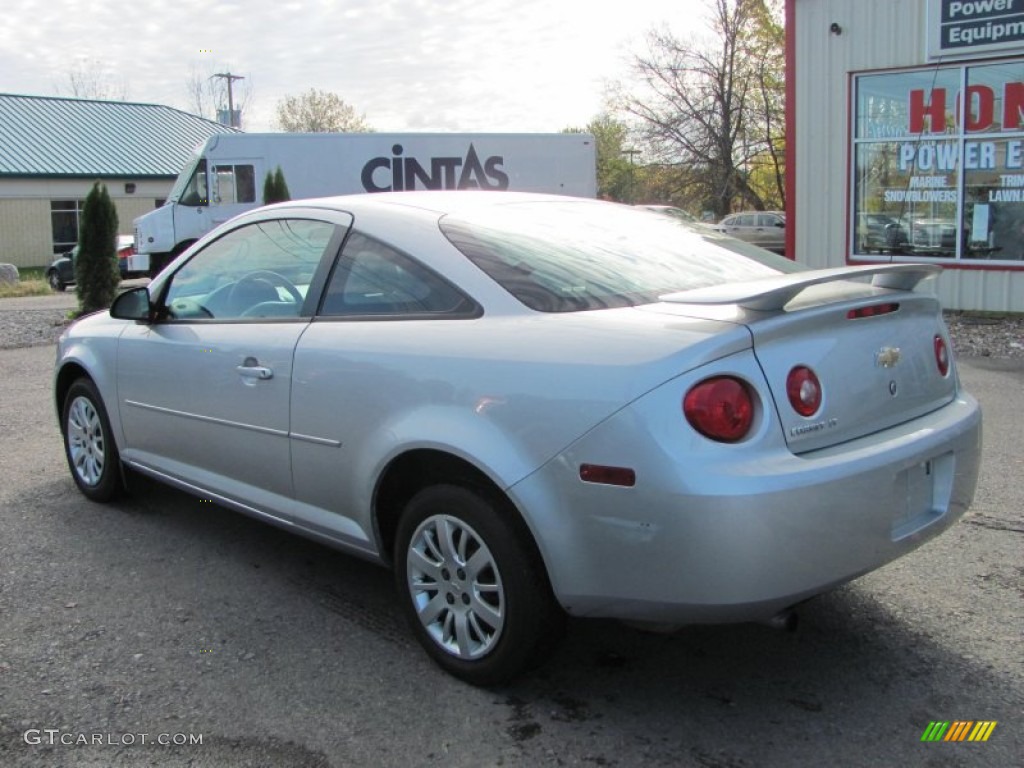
{"type": "Point", "coordinates": [203, 392]}
{"type": "Point", "coordinates": [771, 231]}
{"type": "Point", "coordinates": [356, 374]}
{"type": "Point", "coordinates": [740, 226]}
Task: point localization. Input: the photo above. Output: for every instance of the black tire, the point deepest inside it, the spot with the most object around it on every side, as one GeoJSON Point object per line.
{"type": "Point", "coordinates": [472, 585]}
{"type": "Point", "coordinates": [88, 442]}
{"type": "Point", "coordinates": [54, 280]}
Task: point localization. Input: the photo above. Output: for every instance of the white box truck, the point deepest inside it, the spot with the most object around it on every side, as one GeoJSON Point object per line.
{"type": "Point", "coordinates": [226, 174]}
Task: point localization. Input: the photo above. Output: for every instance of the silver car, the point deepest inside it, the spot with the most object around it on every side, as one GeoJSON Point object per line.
{"type": "Point", "coordinates": [533, 406]}
{"type": "Point", "coordinates": [765, 229]}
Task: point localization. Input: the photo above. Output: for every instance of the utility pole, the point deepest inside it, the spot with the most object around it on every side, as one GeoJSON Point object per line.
{"type": "Point", "coordinates": [231, 101]}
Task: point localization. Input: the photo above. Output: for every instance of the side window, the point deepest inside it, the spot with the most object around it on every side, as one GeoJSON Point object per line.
{"type": "Point", "coordinates": [260, 270]}
{"type": "Point", "coordinates": [234, 184]}
{"type": "Point", "coordinates": [375, 279]}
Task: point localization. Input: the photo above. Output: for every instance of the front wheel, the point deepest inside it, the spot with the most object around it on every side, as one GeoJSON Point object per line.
{"type": "Point", "coordinates": [88, 444]}
{"type": "Point", "coordinates": [473, 586]}
{"type": "Point", "coordinates": [54, 280]}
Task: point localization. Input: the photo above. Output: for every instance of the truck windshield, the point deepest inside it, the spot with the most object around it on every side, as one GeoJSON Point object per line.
{"type": "Point", "coordinates": [191, 189]}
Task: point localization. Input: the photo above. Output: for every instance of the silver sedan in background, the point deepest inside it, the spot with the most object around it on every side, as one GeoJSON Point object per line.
{"type": "Point", "coordinates": [531, 406]}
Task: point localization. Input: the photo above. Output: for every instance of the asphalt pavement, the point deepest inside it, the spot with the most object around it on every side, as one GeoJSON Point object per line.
{"type": "Point", "coordinates": [162, 618]}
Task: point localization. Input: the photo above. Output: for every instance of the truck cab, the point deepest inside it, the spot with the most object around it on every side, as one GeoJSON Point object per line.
{"type": "Point", "coordinates": [204, 196]}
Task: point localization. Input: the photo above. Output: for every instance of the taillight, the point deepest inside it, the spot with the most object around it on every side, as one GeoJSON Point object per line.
{"type": "Point", "coordinates": [872, 310]}
{"type": "Point", "coordinates": [803, 390]}
{"type": "Point", "coordinates": [941, 355]}
{"type": "Point", "coordinates": [721, 408]}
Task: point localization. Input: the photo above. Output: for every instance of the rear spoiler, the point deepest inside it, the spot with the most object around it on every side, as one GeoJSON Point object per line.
{"type": "Point", "coordinates": [773, 293]}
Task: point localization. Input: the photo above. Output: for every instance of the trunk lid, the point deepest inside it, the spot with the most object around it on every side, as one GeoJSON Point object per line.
{"type": "Point", "coordinates": [875, 370]}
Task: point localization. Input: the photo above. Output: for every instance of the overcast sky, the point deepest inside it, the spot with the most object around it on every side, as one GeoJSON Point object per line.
{"type": "Point", "coordinates": [408, 65]}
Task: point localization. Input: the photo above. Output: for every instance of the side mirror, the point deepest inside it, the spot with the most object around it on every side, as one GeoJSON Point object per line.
{"type": "Point", "coordinates": [133, 305]}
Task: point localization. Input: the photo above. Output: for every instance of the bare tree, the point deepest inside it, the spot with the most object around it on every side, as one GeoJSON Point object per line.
{"type": "Point", "coordinates": [90, 79]}
{"type": "Point", "coordinates": [714, 109]}
{"type": "Point", "coordinates": [317, 111]}
{"type": "Point", "coordinates": [207, 94]}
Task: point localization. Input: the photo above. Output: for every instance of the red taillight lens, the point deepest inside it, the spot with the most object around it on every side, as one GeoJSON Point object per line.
{"type": "Point", "coordinates": [941, 355]}
{"type": "Point", "coordinates": [803, 390]}
{"type": "Point", "coordinates": [872, 310]}
{"type": "Point", "coordinates": [721, 408]}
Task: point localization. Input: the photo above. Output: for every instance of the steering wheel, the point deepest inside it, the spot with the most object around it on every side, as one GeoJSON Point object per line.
{"type": "Point", "coordinates": [266, 275]}
{"type": "Point", "coordinates": [185, 309]}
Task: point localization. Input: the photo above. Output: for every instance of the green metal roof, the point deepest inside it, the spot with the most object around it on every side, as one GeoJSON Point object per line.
{"type": "Point", "coordinates": [60, 137]}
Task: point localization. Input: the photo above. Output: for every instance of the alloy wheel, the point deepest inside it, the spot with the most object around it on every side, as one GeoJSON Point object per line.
{"type": "Point", "coordinates": [456, 587]}
{"type": "Point", "coordinates": [86, 441]}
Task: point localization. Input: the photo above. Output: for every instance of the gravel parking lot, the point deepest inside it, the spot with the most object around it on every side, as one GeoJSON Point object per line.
{"type": "Point", "coordinates": [164, 618]}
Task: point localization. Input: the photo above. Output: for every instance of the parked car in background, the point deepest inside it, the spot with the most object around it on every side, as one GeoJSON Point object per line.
{"type": "Point", "coordinates": [533, 405]}
{"type": "Point", "coordinates": [936, 237]}
{"type": "Point", "coordinates": [766, 229]}
{"type": "Point", "coordinates": [880, 232]}
{"type": "Point", "coordinates": [61, 272]}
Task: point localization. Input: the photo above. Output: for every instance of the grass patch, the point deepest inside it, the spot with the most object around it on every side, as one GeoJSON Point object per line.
{"type": "Point", "coordinates": [31, 287]}
{"type": "Point", "coordinates": [32, 273]}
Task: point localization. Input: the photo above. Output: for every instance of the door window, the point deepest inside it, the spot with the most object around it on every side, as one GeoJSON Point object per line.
{"type": "Point", "coordinates": [260, 270]}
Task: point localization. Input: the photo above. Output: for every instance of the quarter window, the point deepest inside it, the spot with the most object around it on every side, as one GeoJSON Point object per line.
{"type": "Point", "coordinates": [373, 279]}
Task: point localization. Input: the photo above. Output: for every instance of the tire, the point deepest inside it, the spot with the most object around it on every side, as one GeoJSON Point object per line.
{"type": "Point", "coordinates": [88, 442]}
{"type": "Point", "coordinates": [473, 586]}
{"type": "Point", "coordinates": [54, 280]}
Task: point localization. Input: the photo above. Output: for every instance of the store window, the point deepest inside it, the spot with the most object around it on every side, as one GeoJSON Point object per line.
{"type": "Point", "coordinates": [938, 165]}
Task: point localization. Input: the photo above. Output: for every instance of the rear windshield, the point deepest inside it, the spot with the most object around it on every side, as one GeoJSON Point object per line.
{"type": "Point", "coordinates": [565, 256]}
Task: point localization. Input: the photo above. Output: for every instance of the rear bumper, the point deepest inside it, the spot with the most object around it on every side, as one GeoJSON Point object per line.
{"type": "Point", "coordinates": [738, 533]}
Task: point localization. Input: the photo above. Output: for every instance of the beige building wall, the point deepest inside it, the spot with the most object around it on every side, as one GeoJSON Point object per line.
{"type": "Point", "coordinates": [874, 35]}
{"type": "Point", "coordinates": [26, 223]}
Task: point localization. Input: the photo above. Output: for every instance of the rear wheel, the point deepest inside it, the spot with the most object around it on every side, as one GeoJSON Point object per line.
{"type": "Point", "coordinates": [88, 445]}
{"type": "Point", "coordinates": [54, 280]}
{"type": "Point", "coordinates": [472, 585]}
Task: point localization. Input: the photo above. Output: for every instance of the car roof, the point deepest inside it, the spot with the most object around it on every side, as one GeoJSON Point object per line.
{"type": "Point", "coordinates": [438, 202]}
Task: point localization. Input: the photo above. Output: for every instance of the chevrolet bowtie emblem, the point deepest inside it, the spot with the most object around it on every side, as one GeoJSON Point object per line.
{"type": "Point", "coordinates": [887, 357]}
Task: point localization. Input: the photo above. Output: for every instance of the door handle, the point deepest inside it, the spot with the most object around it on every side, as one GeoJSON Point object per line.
{"type": "Point", "coordinates": [255, 372]}
{"type": "Point", "coordinates": [251, 369]}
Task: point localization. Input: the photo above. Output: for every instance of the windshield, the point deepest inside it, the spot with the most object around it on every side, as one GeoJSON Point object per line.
{"type": "Point", "coordinates": [190, 186]}
{"type": "Point", "coordinates": [564, 256]}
